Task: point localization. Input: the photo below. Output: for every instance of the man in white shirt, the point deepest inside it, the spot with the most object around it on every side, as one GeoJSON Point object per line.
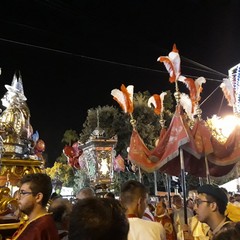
{"type": "Point", "coordinates": [134, 198]}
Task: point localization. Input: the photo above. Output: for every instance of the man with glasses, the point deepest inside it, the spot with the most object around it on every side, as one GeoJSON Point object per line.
{"type": "Point", "coordinates": [210, 206]}
{"type": "Point", "coordinates": [34, 193]}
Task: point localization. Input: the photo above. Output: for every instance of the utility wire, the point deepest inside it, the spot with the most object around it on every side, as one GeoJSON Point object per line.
{"type": "Point", "coordinates": [108, 61]}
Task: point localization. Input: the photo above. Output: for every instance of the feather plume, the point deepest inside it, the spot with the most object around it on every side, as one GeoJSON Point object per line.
{"type": "Point", "coordinates": [157, 102]}
{"type": "Point", "coordinates": [198, 83]}
{"type": "Point", "coordinates": [228, 91]}
{"type": "Point", "coordinates": [128, 93]}
{"type": "Point", "coordinates": [154, 101]}
{"type": "Point", "coordinates": [186, 103]}
{"type": "Point", "coordinates": [124, 97]}
{"type": "Point", "coordinates": [195, 88]}
{"type": "Point", "coordinates": [172, 64]}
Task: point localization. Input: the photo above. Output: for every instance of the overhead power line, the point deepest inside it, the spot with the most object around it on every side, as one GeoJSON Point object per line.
{"type": "Point", "coordinates": [209, 70]}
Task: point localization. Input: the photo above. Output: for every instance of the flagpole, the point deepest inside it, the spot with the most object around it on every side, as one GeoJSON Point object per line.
{"type": "Point", "coordinates": [168, 181]}
{"type": "Point", "coordinates": [155, 183]}
{"type": "Point", "coordinates": [207, 171]}
{"type": "Point", "coordinates": [183, 182]}
{"type": "Point", "coordinates": [139, 175]}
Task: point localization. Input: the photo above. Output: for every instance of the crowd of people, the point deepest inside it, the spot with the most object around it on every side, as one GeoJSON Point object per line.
{"type": "Point", "coordinates": [130, 216]}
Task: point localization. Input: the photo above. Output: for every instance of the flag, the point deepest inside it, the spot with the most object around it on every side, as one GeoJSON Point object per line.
{"type": "Point", "coordinates": [139, 153]}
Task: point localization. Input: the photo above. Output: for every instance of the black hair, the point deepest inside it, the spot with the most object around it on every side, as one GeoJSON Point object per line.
{"type": "Point", "coordinates": [97, 219]}
{"type": "Point", "coordinates": [61, 209]}
{"type": "Point", "coordinates": [39, 183]}
{"type": "Point", "coordinates": [132, 190]}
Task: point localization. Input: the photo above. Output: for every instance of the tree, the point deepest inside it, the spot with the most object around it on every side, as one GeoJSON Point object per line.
{"type": "Point", "coordinates": [81, 180]}
{"type": "Point", "coordinates": [62, 172]}
{"type": "Point", "coordinates": [70, 136]}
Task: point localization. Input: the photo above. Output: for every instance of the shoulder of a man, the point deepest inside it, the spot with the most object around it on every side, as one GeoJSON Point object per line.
{"type": "Point", "coordinates": [43, 226]}
{"type": "Point", "coordinates": [154, 227]}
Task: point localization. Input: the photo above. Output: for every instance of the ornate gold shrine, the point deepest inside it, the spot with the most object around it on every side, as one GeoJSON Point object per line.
{"type": "Point", "coordinates": [20, 152]}
{"type": "Point", "coordinates": [13, 169]}
{"type": "Point", "coordinates": [19, 149]}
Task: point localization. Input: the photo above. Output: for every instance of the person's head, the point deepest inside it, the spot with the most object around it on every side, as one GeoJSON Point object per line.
{"type": "Point", "coordinates": [230, 231]}
{"type": "Point", "coordinates": [237, 196]}
{"type": "Point", "coordinates": [210, 203]}
{"type": "Point", "coordinates": [35, 190]}
{"type": "Point", "coordinates": [134, 197]}
{"type": "Point", "coordinates": [231, 199]}
{"type": "Point", "coordinates": [151, 207]}
{"type": "Point", "coordinates": [177, 201]}
{"type": "Point", "coordinates": [109, 195]}
{"type": "Point", "coordinates": [61, 209]}
{"type": "Point", "coordinates": [190, 203]}
{"type": "Point", "coordinates": [86, 192]}
{"type": "Point", "coordinates": [160, 208]}
{"type": "Point", "coordinates": [97, 219]}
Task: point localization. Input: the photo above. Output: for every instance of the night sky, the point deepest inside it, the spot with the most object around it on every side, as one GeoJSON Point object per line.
{"type": "Point", "coordinates": [71, 54]}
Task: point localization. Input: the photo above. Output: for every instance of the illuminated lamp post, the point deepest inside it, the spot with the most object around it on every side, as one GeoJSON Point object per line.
{"type": "Point", "coordinates": [98, 155]}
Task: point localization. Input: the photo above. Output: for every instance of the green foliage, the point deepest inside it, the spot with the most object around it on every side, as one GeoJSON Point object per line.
{"type": "Point", "coordinates": [102, 117]}
{"type": "Point", "coordinates": [63, 172]}
{"type": "Point", "coordinates": [192, 182]}
{"type": "Point", "coordinates": [148, 123]}
{"type": "Point", "coordinates": [62, 158]}
{"type": "Point", "coordinates": [81, 180]}
{"type": "Point", "coordinates": [70, 136]}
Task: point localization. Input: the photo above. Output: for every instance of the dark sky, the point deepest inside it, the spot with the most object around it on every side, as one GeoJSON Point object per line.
{"type": "Point", "coordinates": [71, 54]}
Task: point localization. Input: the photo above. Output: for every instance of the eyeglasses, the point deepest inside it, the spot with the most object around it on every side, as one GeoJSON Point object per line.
{"type": "Point", "coordinates": [23, 193]}
{"type": "Point", "coordinates": [199, 201]}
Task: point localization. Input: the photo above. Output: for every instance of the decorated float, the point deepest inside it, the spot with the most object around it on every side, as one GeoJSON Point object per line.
{"type": "Point", "coordinates": [189, 144]}
{"type": "Point", "coordinates": [20, 151]}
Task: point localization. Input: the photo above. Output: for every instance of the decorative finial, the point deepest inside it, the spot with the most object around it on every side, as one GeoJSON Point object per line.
{"type": "Point", "coordinates": [98, 132]}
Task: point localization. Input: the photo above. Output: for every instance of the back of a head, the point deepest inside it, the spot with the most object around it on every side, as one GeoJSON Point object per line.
{"type": "Point", "coordinates": [98, 219]}
{"type": "Point", "coordinates": [86, 192]}
{"type": "Point", "coordinates": [39, 182]}
{"type": "Point", "coordinates": [61, 209]}
{"type": "Point", "coordinates": [132, 190]}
